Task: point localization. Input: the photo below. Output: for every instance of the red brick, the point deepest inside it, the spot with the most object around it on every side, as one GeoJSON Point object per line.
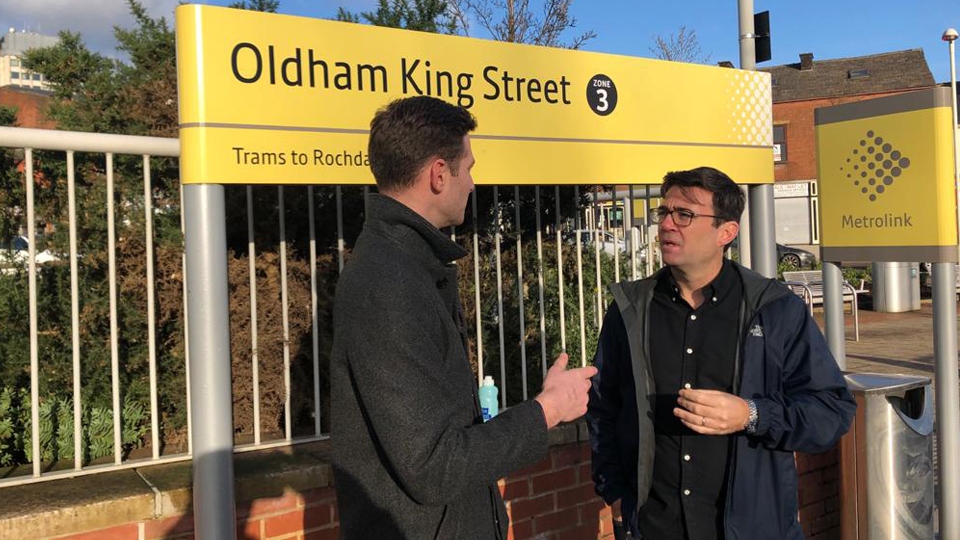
{"type": "Point", "coordinates": [317, 515]}
{"type": "Point", "coordinates": [584, 474]}
{"type": "Point", "coordinates": [275, 505]}
{"type": "Point", "coordinates": [286, 523]}
{"type": "Point", "coordinates": [811, 512]}
{"type": "Point", "coordinates": [553, 481]}
{"type": "Point", "coordinates": [524, 508]}
{"type": "Point", "coordinates": [166, 528]}
{"type": "Point", "coordinates": [520, 530]}
{"type": "Point", "coordinates": [591, 509]}
{"type": "Point", "coordinates": [250, 529]}
{"type": "Point", "coordinates": [331, 533]}
{"type": "Point", "coordinates": [572, 497]}
{"type": "Point", "coordinates": [515, 489]}
{"type": "Point", "coordinates": [826, 522]}
{"type": "Point", "coordinates": [581, 532]}
{"type": "Point", "coordinates": [541, 466]}
{"type": "Point", "coordinates": [327, 494]}
{"type": "Point", "coordinates": [557, 521]}
{"type": "Point", "coordinates": [566, 455]}
{"type": "Point", "coordinates": [129, 531]}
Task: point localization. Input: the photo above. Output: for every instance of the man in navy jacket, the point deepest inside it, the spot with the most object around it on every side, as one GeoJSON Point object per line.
{"type": "Point", "coordinates": [710, 377]}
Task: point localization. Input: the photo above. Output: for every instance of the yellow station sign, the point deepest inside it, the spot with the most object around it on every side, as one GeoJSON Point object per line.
{"type": "Point", "coordinates": [276, 99]}
{"type": "Point", "coordinates": [886, 179]}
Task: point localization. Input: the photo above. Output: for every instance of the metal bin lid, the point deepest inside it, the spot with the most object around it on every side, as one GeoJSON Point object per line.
{"type": "Point", "coordinates": [882, 383]}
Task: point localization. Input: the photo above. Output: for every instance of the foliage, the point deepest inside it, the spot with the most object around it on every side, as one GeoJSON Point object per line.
{"type": "Point", "coordinates": [680, 47]}
{"type": "Point", "coordinates": [514, 21]}
{"type": "Point", "coordinates": [268, 6]}
{"type": "Point", "coordinates": [423, 15]}
{"type": "Point", "coordinates": [8, 116]}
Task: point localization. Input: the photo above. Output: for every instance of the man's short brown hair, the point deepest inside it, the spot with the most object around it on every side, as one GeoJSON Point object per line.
{"type": "Point", "coordinates": [408, 132]}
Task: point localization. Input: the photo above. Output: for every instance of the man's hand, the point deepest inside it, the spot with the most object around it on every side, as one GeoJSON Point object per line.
{"type": "Point", "coordinates": [564, 395]}
{"type": "Point", "coordinates": [712, 412]}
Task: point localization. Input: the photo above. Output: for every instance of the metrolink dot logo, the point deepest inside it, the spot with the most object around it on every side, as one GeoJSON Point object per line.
{"type": "Point", "coordinates": [875, 165]}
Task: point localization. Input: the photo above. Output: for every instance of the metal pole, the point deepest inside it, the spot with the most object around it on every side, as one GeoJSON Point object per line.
{"type": "Point", "coordinates": [950, 36]}
{"type": "Point", "coordinates": [833, 312]}
{"type": "Point", "coordinates": [763, 252]}
{"type": "Point", "coordinates": [205, 237]}
{"type": "Point", "coordinates": [947, 396]}
{"type": "Point", "coordinates": [745, 231]}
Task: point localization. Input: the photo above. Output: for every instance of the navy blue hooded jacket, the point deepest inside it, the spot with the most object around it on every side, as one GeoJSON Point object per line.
{"type": "Point", "coordinates": [783, 364]}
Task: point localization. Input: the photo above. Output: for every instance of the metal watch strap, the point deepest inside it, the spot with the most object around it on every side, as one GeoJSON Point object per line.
{"type": "Point", "coordinates": [753, 418]}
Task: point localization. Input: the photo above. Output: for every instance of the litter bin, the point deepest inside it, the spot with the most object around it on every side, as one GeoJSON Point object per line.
{"type": "Point", "coordinates": [887, 459]}
{"type": "Point", "coordinates": [896, 286]}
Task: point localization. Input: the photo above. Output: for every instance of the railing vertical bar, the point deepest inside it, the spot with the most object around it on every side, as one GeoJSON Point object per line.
{"type": "Point", "coordinates": [315, 307]}
{"type": "Point", "coordinates": [254, 332]}
{"type": "Point", "coordinates": [540, 263]}
{"type": "Point", "coordinates": [284, 301]}
{"type": "Point", "coordinates": [340, 244]}
{"type": "Point", "coordinates": [597, 210]}
{"type": "Point", "coordinates": [503, 356]}
{"type": "Point", "coordinates": [476, 288]}
{"type": "Point", "coordinates": [616, 258]}
{"type": "Point", "coordinates": [631, 230]}
{"type": "Point", "coordinates": [75, 314]}
{"type": "Point", "coordinates": [114, 329]}
{"type": "Point", "coordinates": [522, 317]}
{"type": "Point", "coordinates": [151, 312]}
{"type": "Point", "coordinates": [32, 296]}
{"type": "Point", "coordinates": [583, 313]}
{"type": "Point", "coordinates": [560, 298]}
{"type": "Point", "coordinates": [186, 325]}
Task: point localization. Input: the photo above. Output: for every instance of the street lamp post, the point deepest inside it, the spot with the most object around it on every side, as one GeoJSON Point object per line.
{"type": "Point", "coordinates": [950, 36]}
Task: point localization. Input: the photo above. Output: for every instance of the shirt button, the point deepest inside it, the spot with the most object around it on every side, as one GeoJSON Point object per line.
{"type": "Point", "coordinates": [686, 457]}
{"type": "Point", "coordinates": [693, 317]}
{"type": "Point", "coordinates": [689, 351]}
{"type": "Point", "coordinates": [714, 298]}
{"type": "Point", "coordinates": [686, 492]}
{"type": "Point", "coordinates": [687, 386]}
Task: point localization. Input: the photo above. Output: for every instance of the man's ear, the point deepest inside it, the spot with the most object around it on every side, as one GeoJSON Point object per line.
{"type": "Point", "coordinates": [438, 174]}
{"type": "Point", "coordinates": [728, 231]}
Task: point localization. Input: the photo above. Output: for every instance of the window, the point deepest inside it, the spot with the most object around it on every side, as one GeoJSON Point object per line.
{"type": "Point", "coordinates": [14, 62]}
{"type": "Point", "coordinates": [779, 144]}
{"type": "Point", "coordinates": [35, 76]}
{"type": "Point", "coordinates": [858, 73]}
{"type": "Point", "coordinates": [14, 74]}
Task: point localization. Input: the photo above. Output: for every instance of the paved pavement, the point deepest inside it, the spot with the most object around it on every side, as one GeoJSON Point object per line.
{"type": "Point", "coordinates": [890, 342]}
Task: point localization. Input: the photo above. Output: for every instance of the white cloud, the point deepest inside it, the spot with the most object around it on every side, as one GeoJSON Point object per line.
{"type": "Point", "coordinates": [93, 19]}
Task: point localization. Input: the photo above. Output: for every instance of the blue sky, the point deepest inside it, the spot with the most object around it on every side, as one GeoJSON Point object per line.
{"type": "Point", "coordinates": [828, 29]}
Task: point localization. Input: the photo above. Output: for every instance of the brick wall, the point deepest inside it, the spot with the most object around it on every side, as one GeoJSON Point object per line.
{"type": "Point", "coordinates": [551, 500]}
{"type": "Point", "coordinates": [798, 118]}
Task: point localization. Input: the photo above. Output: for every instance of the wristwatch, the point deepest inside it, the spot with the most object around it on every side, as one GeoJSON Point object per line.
{"type": "Point", "coordinates": [752, 419]}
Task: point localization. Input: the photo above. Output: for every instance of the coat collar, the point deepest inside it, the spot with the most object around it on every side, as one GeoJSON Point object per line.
{"type": "Point", "coordinates": [411, 231]}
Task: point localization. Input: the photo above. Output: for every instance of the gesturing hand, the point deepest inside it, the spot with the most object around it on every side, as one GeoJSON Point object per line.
{"type": "Point", "coordinates": [564, 394]}
{"type": "Point", "coordinates": [712, 412]}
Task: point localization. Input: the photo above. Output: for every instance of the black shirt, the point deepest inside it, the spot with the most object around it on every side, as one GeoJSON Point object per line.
{"type": "Point", "coordinates": [691, 348]}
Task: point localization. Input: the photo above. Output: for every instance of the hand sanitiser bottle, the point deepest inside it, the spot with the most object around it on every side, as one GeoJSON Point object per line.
{"type": "Point", "coordinates": [488, 398]}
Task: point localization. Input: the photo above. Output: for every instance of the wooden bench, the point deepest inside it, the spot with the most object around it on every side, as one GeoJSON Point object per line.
{"type": "Point", "coordinates": [808, 285]}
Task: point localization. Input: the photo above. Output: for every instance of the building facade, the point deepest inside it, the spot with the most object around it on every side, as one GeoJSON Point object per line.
{"type": "Point", "coordinates": [12, 47]}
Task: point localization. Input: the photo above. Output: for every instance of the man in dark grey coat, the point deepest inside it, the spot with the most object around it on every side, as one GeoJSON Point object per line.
{"type": "Point", "coordinates": [412, 457]}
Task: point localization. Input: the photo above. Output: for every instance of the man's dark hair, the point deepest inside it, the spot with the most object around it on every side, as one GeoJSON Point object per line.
{"type": "Point", "coordinates": [408, 132]}
{"type": "Point", "coordinates": [728, 199]}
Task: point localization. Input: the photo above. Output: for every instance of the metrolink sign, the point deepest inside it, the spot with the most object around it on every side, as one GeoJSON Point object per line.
{"type": "Point", "coordinates": [886, 179]}
{"type": "Point", "coordinates": [275, 99]}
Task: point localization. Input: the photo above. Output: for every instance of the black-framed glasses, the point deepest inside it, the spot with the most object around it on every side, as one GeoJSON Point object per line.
{"type": "Point", "coordinates": [681, 216]}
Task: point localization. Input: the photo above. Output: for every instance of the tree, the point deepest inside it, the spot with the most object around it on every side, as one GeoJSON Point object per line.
{"type": "Point", "coordinates": [423, 15]}
{"type": "Point", "coordinates": [680, 47]}
{"type": "Point", "coordinates": [514, 21]}
{"type": "Point", "coordinates": [267, 6]}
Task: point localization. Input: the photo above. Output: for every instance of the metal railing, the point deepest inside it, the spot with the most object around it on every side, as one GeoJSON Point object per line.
{"type": "Point", "coordinates": [543, 299]}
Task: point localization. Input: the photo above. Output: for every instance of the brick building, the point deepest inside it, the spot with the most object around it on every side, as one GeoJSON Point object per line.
{"type": "Point", "coordinates": [30, 105]}
{"type": "Point", "coordinates": [798, 90]}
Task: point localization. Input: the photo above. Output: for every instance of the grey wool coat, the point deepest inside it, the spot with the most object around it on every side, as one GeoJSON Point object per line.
{"type": "Point", "coordinates": [412, 458]}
